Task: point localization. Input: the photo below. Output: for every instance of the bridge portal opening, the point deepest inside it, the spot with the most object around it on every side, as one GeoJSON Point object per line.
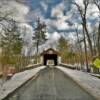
{"type": "Point", "coordinates": [51, 59]}
{"type": "Point", "coordinates": [50, 56]}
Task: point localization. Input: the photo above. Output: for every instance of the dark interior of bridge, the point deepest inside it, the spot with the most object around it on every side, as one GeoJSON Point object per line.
{"type": "Point", "coordinates": [50, 57]}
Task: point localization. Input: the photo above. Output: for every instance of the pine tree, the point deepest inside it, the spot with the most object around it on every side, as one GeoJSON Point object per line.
{"type": "Point", "coordinates": [11, 43]}
{"type": "Point", "coordinates": [39, 35]}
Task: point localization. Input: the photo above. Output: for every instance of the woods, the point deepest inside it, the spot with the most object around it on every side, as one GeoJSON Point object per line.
{"type": "Point", "coordinates": [86, 48]}
{"type": "Point", "coordinates": [12, 42]}
{"type": "Point", "coordinates": [17, 50]}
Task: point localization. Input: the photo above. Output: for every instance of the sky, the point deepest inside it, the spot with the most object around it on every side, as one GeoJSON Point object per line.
{"type": "Point", "coordinates": [53, 12]}
{"type": "Point", "coordinates": [59, 15]}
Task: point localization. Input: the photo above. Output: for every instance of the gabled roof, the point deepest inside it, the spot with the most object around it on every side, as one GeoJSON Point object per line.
{"type": "Point", "coordinates": [50, 49]}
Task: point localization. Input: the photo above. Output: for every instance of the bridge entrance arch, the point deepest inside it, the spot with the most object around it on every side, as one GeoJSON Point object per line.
{"type": "Point", "coordinates": [50, 55]}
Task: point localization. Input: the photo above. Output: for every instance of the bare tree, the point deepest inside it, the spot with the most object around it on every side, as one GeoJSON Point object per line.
{"type": "Point", "coordinates": [79, 46]}
{"type": "Point", "coordinates": [83, 14]}
{"type": "Point", "coordinates": [97, 3]}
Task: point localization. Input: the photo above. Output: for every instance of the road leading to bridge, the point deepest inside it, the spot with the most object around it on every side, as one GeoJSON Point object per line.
{"type": "Point", "coordinates": [51, 84]}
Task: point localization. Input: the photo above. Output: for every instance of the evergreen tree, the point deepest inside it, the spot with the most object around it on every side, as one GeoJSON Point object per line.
{"type": "Point", "coordinates": [11, 43]}
{"type": "Point", "coordinates": [39, 35]}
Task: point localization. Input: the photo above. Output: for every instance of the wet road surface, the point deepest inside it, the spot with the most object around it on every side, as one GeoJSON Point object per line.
{"type": "Point", "coordinates": [51, 84]}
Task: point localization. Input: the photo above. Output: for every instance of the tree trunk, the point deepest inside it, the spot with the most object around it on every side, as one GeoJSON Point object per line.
{"type": "Point", "coordinates": [80, 48]}
{"type": "Point", "coordinates": [37, 46]}
{"type": "Point", "coordinates": [98, 41]}
{"type": "Point", "coordinates": [86, 57]}
{"type": "Point", "coordinates": [88, 38]}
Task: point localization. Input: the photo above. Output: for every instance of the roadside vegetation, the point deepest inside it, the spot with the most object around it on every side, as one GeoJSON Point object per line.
{"type": "Point", "coordinates": [82, 52]}
{"type": "Point", "coordinates": [86, 49]}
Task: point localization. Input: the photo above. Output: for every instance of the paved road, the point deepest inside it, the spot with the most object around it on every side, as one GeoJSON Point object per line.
{"type": "Point", "coordinates": [51, 84]}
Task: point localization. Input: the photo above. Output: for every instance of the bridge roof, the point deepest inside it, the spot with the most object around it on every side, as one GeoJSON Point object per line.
{"type": "Point", "coordinates": [50, 51]}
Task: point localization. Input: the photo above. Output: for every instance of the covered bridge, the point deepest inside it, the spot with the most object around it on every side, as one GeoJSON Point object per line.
{"type": "Point", "coordinates": [50, 55]}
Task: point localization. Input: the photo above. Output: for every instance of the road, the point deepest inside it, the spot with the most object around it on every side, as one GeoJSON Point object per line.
{"type": "Point", "coordinates": [51, 84]}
